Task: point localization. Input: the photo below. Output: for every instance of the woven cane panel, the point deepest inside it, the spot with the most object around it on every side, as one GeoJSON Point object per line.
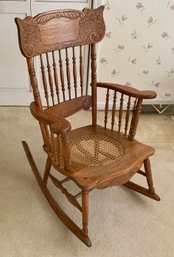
{"type": "Point", "coordinates": [95, 150]}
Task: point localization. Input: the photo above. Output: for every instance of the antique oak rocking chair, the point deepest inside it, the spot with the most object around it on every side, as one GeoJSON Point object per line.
{"type": "Point", "coordinates": [93, 156]}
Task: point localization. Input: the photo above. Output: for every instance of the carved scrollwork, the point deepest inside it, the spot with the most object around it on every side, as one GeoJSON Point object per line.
{"type": "Point", "coordinates": [38, 35]}
{"type": "Point", "coordinates": [44, 18]}
{"type": "Point", "coordinates": [30, 37]}
{"type": "Point", "coordinates": [92, 25]}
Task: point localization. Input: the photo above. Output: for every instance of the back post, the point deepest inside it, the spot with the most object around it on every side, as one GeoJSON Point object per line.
{"type": "Point", "coordinates": [34, 82]}
{"type": "Point", "coordinates": [94, 84]}
{"type": "Point", "coordinates": [37, 99]}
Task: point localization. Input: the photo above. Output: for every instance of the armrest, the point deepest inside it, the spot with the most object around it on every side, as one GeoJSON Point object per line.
{"type": "Point", "coordinates": [57, 124]}
{"type": "Point", "coordinates": [148, 94]}
{"type": "Point", "coordinates": [40, 115]}
{"type": "Point", "coordinates": [60, 127]}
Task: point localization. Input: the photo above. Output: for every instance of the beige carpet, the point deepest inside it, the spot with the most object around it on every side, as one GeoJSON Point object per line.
{"type": "Point", "coordinates": [122, 223]}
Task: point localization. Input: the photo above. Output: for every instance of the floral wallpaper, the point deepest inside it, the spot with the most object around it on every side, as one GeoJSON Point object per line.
{"type": "Point", "coordinates": [138, 48]}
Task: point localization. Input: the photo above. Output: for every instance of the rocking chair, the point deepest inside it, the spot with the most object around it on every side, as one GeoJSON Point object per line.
{"type": "Point", "coordinates": [94, 156]}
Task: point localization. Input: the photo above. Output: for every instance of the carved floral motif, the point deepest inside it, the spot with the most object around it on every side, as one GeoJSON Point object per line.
{"type": "Point", "coordinates": [91, 29]}
{"type": "Point", "coordinates": [28, 32]}
{"type": "Point", "coordinates": [92, 25]}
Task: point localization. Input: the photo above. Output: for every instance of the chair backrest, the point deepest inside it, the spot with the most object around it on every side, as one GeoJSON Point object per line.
{"type": "Point", "coordinates": [57, 38]}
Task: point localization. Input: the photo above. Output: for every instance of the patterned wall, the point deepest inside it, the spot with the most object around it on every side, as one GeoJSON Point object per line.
{"type": "Point", "coordinates": [138, 48]}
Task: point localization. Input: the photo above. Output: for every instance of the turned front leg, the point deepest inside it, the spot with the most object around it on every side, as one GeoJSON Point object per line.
{"type": "Point", "coordinates": [148, 171]}
{"type": "Point", "coordinates": [85, 212]}
{"type": "Point", "coordinates": [47, 171]}
{"type": "Point", "coordinates": [66, 150]}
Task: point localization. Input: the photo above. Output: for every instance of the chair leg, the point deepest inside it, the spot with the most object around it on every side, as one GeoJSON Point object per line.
{"type": "Point", "coordinates": [150, 192]}
{"type": "Point", "coordinates": [148, 172]}
{"type": "Point", "coordinates": [47, 171]}
{"type": "Point", "coordinates": [85, 212]}
{"type": "Point", "coordinates": [81, 234]}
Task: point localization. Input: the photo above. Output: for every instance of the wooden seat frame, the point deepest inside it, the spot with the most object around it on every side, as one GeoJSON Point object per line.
{"type": "Point", "coordinates": [114, 155]}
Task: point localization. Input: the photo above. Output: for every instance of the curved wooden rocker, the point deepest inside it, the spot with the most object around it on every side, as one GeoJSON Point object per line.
{"type": "Point", "coordinates": [57, 209]}
{"type": "Point", "coordinates": [94, 156]}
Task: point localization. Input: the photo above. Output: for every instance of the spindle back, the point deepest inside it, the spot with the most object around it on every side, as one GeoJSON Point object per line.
{"type": "Point", "coordinates": [57, 39]}
{"type": "Point", "coordinates": [62, 74]}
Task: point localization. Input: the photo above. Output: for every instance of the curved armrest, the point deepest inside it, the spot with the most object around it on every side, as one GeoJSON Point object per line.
{"type": "Point", "coordinates": [57, 124]}
{"type": "Point", "coordinates": [60, 127]}
{"type": "Point", "coordinates": [128, 90]}
{"type": "Point", "coordinates": [40, 115]}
